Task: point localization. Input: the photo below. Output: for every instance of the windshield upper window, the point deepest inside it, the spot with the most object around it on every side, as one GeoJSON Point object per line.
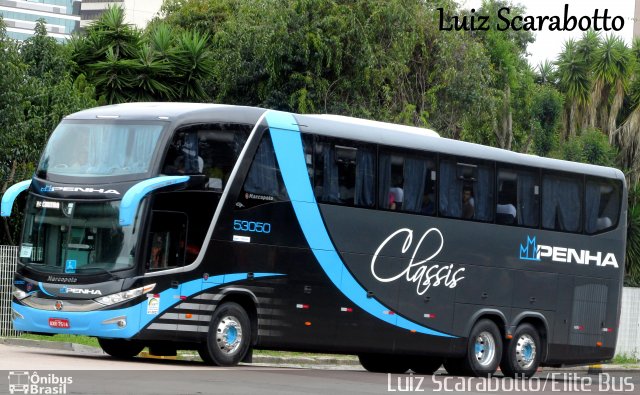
{"type": "Point", "coordinates": [76, 237]}
{"type": "Point", "coordinates": [100, 149]}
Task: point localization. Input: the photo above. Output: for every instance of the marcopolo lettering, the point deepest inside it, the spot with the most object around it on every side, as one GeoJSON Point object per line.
{"type": "Point", "coordinates": [50, 188]}
{"type": "Point", "coordinates": [536, 252]}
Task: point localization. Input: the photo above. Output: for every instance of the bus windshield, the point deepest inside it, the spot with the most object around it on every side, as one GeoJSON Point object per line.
{"type": "Point", "coordinates": [76, 237]}
{"type": "Point", "coordinates": [100, 149]}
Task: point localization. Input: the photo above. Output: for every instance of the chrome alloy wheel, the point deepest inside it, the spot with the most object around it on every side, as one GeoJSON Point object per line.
{"type": "Point", "coordinates": [525, 351]}
{"type": "Point", "coordinates": [485, 349]}
{"type": "Point", "coordinates": [229, 334]}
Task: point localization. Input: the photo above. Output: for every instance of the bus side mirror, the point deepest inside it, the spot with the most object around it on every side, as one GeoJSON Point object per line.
{"type": "Point", "coordinates": [10, 196]}
{"type": "Point", "coordinates": [131, 199]}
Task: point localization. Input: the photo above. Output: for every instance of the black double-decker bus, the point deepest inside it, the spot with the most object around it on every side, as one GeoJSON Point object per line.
{"type": "Point", "coordinates": [226, 229]}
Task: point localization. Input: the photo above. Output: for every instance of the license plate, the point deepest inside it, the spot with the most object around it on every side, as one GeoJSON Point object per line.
{"type": "Point", "coordinates": [59, 323]}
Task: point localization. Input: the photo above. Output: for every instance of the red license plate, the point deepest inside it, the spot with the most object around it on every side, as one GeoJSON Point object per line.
{"type": "Point", "coordinates": [59, 323]}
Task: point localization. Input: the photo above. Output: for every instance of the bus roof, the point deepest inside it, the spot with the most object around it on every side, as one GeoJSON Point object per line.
{"type": "Point", "coordinates": [402, 136]}
{"type": "Point", "coordinates": [173, 112]}
{"type": "Point", "coordinates": [425, 139]}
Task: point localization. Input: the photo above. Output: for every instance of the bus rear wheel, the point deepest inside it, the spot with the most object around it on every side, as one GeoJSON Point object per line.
{"type": "Point", "coordinates": [522, 353]}
{"type": "Point", "coordinates": [380, 363]}
{"type": "Point", "coordinates": [229, 336]}
{"type": "Point", "coordinates": [121, 348]}
{"type": "Point", "coordinates": [484, 350]}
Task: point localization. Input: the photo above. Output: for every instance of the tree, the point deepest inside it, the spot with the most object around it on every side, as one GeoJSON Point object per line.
{"type": "Point", "coordinates": [574, 81]}
{"type": "Point", "coordinates": [126, 64]}
{"type": "Point", "coordinates": [612, 63]}
{"type": "Point", "coordinates": [546, 112]}
{"type": "Point", "coordinates": [507, 51]}
{"type": "Point", "coordinates": [36, 91]}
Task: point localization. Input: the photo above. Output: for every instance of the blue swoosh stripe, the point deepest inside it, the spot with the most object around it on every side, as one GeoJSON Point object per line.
{"type": "Point", "coordinates": [90, 322]}
{"type": "Point", "coordinates": [44, 290]}
{"type": "Point", "coordinates": [287, 142]}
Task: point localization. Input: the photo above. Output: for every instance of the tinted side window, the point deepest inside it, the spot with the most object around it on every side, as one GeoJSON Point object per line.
{"type": "Point", "coordinates": [602, 205]}
{"type": "Point", "coordinates": [466, 189]}
{"type": "Point", "coordinates": [264, 182]}
{"type": "Point", "coordinates": [209, 149]}
{"type": "Point", "coordinates": [562, 202]}
{"type": "Point", "coordinates": [518, 197]}
{"type": "Point", "coordinates": [168, 238]}
{"type": "Point", "coordinates": [406, 182]}
{"type": "Point", "coordinates": [344, 172]}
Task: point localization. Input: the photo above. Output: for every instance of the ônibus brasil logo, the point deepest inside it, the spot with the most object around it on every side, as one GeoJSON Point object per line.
{"type": "Point", "coordinates": [34, 383]}
{"type": "Point", "coordinates": [531, 251]}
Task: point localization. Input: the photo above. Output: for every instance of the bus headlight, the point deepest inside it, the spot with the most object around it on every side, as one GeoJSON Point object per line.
{"type": "Point", "coordinates": [123, 296]}
{"type": "Point", "coordinates": [18, 293]}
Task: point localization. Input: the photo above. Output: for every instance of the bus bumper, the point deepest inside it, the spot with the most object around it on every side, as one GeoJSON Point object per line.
{"type": "Point", "coordinates": [119, 323]}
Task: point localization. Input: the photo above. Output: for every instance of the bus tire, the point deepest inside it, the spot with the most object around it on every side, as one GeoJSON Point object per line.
{"type": "Point", "coordinates": [229, 336]}
{"type": "Point", "coordinates": [380, 363]}
{"type": "Point", "coordinates": [521, 355]}
{"type": "Point", "coordinates": [120, 348]}
{"type": "Point", "coordinates": [425, 365]}
{"type": "Point", "coordinates": [484, 350]}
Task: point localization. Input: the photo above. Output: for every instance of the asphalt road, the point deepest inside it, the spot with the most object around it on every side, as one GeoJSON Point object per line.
{"type": "Point", "coordinates": [55, 371]}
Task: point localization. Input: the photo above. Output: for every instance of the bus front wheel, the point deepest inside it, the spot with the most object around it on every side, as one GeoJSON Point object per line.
{"type": "Point", "coordinates": [121, 348]}
{"type": "Point", "coordinates": [229, 336]}
{"type": "Point", "coordinates": [522, 353]}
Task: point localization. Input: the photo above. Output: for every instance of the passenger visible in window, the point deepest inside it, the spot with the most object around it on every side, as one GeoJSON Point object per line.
{"type": "Point", "coordinates": [428, 206]}
{"type": "Point", "coordinates": [468, 208]}
{"type": "Point", "coordinates": [506, 213]}
{"type": "Point", "coordinates": [398, 192]}
{"type": "Point", "coordinates": [157, 252]}
{"type": "Point", "coordinates": [392, 201]}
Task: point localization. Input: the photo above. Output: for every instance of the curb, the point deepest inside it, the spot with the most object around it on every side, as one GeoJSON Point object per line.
{"type": "Point", "coordinates": [51, 345]}
{"type": "Point", "coordinates": [299, 361]}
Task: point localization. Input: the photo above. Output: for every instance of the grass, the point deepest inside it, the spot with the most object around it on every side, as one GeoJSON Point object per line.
{"type": "Point", "coordinates": [85, 340]}
{"type": "Point", "coordinates": [93, 342]}
{"type": "Point", "coordinates": [624, 359]}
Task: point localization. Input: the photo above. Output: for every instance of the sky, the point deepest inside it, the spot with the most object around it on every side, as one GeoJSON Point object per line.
{"type": "Point", "coordinates": [549, 43]}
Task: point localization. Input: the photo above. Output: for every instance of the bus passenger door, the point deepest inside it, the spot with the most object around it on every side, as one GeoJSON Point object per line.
{"type": "Point", "coordinates": [167, 249]}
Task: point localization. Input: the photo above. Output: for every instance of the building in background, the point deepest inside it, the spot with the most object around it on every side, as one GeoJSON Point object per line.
{"type": "Point", "coordinates": [636, 20]}
{"type": "Point", "coordinates": [62, 17]}
{"type": "Point", "coordinates": [137, 12]}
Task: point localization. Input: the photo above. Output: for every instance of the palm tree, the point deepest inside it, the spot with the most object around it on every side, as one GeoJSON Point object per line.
{"type": "Point", "coordinates": [586, 48]}
{"type": "Point", "coordinates": [573, 75]}
{"type": "Point", "coordinates": [193, 64]}
{"type": "Point", "coordinates": [546, 73]}
{"type": "Point", "coordinates": [627, 136]}
{"type": "Point", "coordinates": [612, 65]}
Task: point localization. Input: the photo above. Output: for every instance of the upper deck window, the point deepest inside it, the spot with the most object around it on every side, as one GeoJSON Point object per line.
{"type": "Point", "coordinates": [100, 149]}
{"type": "Point", "coordinates": [602, 204]}
{"type": "Point", "coordinates": [562, 202]}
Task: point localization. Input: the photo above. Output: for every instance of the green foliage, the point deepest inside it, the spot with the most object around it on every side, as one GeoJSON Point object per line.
{"type": "Point", "coordinates": [632, 257]}
{"type": "Point", "coordinates": [126, 64]}
{"type": "Point", "coordinates": [590, 147]}
{"type": "Point", "coordinates": [36, 91]}
{"type": "Point", "coordinates": [546, 110]}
